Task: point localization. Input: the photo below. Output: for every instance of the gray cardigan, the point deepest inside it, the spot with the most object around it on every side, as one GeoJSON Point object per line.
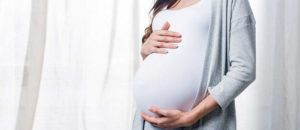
{"type": "Point", "coordinates": [230, 63]}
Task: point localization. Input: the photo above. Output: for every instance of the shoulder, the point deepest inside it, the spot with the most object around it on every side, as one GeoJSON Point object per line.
{"type": "Point", "coordinates": [238, 13]}
{"type": "Point", "coordinates": [235, 7]}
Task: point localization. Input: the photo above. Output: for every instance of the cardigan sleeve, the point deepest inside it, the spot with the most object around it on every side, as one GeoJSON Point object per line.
{"type": "Point", "coordinates": [242, 57]}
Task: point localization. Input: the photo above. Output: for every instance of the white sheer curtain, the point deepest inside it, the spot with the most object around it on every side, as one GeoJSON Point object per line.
{"type": "Point", "coordinates": [272, 102]}
{"type": "Point", "coordinates": [68, 65]}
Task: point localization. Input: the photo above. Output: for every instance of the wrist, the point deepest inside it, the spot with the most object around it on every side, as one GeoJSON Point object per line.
{"type": "Point", "coordinates": [204, 107]}
{"type": "Point", "coordinates": [198, 112]}
{"type": "Point", "coordinates": [190, 118]}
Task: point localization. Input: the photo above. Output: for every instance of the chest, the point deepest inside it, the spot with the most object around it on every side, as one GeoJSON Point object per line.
{"type": "Point", "coordinates": [192, 19]}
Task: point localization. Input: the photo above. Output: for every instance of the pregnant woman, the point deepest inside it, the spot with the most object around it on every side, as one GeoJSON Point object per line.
{"type": "Point", "coordinates": [198, 56]}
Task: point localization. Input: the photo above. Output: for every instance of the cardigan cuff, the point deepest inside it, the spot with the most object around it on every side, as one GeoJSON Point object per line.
{"type": "Point", "coordinates": [225, 92]}
{"type": "Point", "coordinates": [216, 94]}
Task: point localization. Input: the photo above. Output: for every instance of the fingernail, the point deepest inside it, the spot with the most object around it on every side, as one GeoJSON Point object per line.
{"type": "Point", "coordinates": [179, 35]}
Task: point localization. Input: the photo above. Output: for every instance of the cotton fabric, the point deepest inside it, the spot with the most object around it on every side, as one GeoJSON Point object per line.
{"type": "Point", "coordinates": [173, 80]}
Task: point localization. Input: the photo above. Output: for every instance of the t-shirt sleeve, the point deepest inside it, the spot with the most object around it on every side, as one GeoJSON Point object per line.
{"type": "Point", "coordinates": [242, 57]}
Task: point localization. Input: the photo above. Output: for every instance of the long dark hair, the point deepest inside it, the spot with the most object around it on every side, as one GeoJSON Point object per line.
{"type": "Point", "coordinates": [158, 6]}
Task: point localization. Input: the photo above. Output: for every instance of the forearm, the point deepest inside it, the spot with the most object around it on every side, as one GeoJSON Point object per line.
{"type": "Point", "coordinates": [204, 107]}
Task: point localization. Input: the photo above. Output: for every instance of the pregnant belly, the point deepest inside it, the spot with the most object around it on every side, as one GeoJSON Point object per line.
{"type": "Point", "coordinates": [169, 81]}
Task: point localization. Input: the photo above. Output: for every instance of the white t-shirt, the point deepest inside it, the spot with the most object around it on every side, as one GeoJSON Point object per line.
{"type": "Point", "coordinates": [173, 80]}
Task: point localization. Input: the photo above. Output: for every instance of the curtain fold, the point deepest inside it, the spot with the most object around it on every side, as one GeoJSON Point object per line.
{"type": "Point", "coordinates": [33, 66]}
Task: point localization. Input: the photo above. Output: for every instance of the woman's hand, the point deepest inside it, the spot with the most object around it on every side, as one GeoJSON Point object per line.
{"type": "Point", "coordinates": [159, 40]}
{"type": "Point", "coordinates": [171, 118]}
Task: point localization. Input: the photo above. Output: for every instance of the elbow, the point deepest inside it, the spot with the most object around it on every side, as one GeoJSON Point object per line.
{"type": "Point", "coordinates": [250, 74]}
{"type": "Point", "coordinates": [252, 77]}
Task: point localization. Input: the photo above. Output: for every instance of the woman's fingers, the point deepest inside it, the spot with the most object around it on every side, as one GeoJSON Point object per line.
{"type": "Point", "coordinates": [159, 111]}
{"type": "Point", "coordinates": [168, 33]}
{"type": "Point", "coordinates": [148, 118]}
{"type": "Point", "coordinates": [157, 120]}
{"type": "Point", "coordinates": [171, 113]}
{"type": "Point", "coordinates": [167, 39]}
{"type": "Point", "coordinates": [166, 45]}
{"type": "Point", "coordinates": [158, 50]}
{"type": "Point", "coordinates": [153, 49]}
{"type": "Point", "coordinates": [166, 26]}
{"type": "Point", "coordinates": [170, 118]}
{"type": "Point", "coordinates": [156, 42]}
